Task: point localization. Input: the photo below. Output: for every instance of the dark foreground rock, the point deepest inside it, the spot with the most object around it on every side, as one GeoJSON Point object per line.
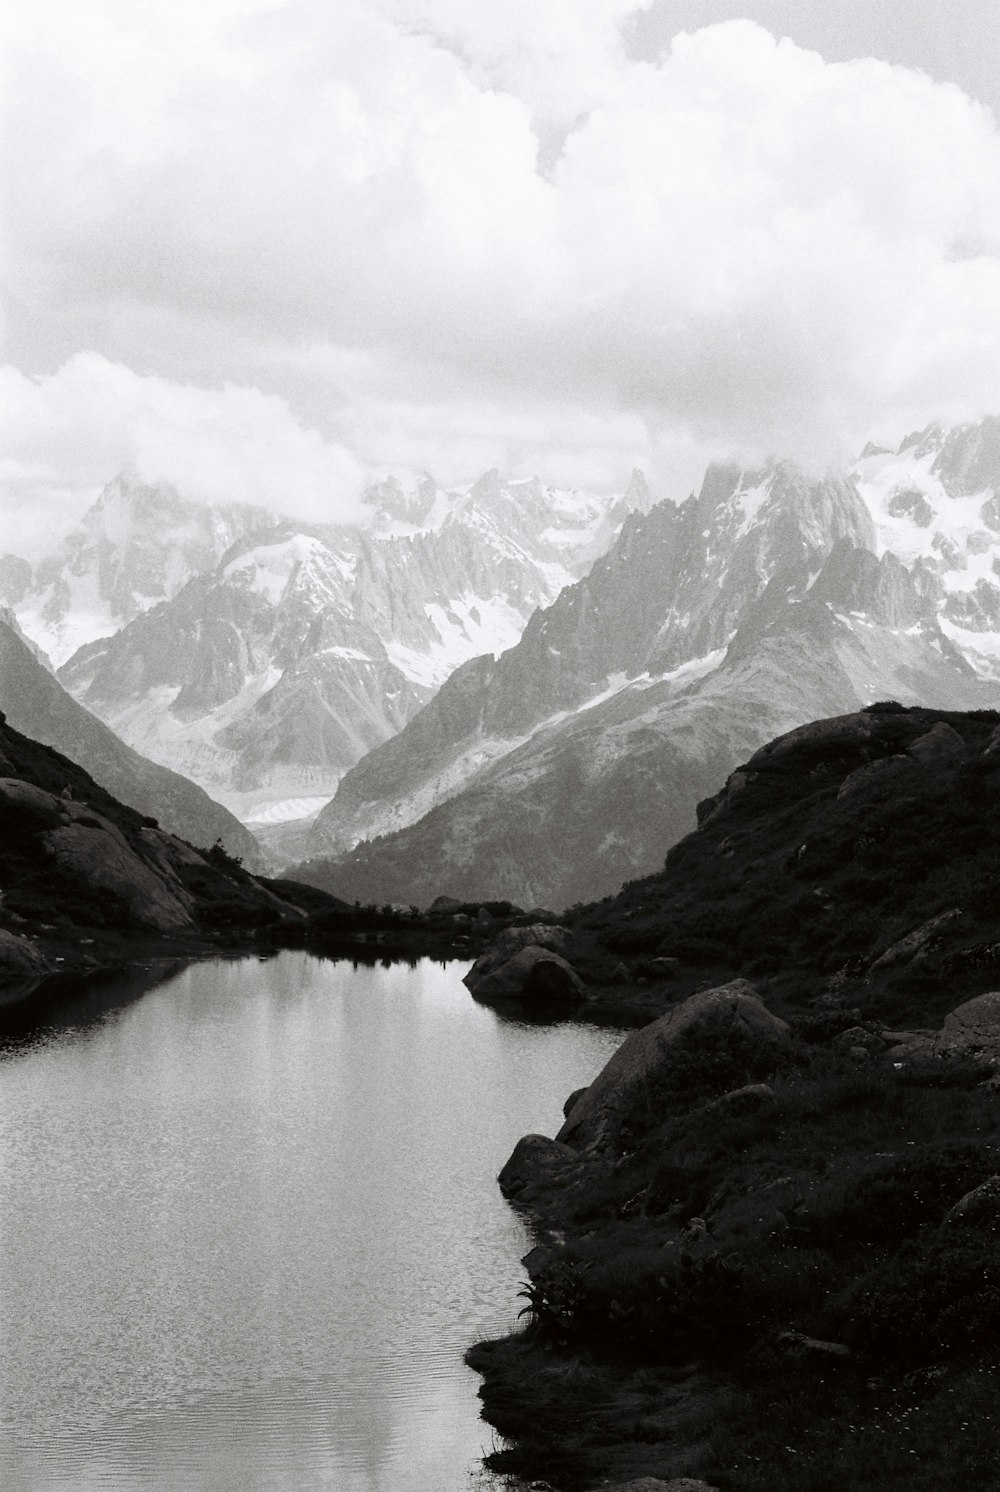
{"type": "Point", "coordinates": [649, 1061]}
{"type": "Point", "coordinates": [536, 1162]}
{"type": "Point", "coordinates": [523, 964]}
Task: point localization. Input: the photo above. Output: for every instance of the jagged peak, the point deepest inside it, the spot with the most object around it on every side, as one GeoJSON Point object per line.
{"type": "Point", "coordinates": [922, 442]}
{"type": "Point", "coordinates": [637, 494]}
{"type": "Point", "coordinates": [854, 580]}
{"type": "Point", "coordinates": [488, 487]}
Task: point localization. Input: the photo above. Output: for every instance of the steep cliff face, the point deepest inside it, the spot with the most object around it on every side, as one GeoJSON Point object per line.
{"type": "Point", "coordinates": [36, 704]}
{"type": "Point", "coordinates": [268, 677]}
{"type": "Point", "coordinates": [574, 760]}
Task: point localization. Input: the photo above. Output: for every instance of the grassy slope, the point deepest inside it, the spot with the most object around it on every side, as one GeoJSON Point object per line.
{"type": "Point", "coordinates": [654, 1341]}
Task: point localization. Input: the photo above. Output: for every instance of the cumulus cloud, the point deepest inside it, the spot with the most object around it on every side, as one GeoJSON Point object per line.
{"type": "Point", "coordinates": [64, 435]}
{"type": "Point", "coordinates": [739, 246]}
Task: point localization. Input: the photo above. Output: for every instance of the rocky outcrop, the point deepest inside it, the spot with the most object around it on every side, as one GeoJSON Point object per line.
{"type": "Point", "coordinates": [921, 941]}
{"type": "Point", "coordinates": [79, 870]}
{"type": "Point", "coordinates": [19, 958]}
{"type": "Point", "coordinates": [532, 974]}
{"type": "Point", "coordinates": [979, 1208]}
{"type": "Point", "coordinates": [93, 851]}
{"type": "Point", "coordinates": [645, 1058]}
{"type": "Point", "coordinates": [941, 744]}
{"type": "Point", "coordinates": [972, 1030]}
{"type": "Point", "coordinates": [509, 942]}
{"type": "Point", "coordinates": [536, 1162]}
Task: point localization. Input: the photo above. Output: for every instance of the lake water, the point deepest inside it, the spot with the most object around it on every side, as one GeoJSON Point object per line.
{"type": "Point", "coordinates": [250, 1222]}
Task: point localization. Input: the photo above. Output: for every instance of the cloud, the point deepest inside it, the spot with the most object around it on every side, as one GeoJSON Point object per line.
{"type": "Point", "coordinates": [737, 246]}
{"type": "Point", "coordinates": [66, 434]}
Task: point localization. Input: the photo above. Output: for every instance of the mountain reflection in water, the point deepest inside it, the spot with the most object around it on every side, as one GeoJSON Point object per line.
{"type": "Point", "coordinates": [249, 1222]}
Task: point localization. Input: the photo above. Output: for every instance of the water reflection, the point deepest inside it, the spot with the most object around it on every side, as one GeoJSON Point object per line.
{"type": "Point", "coordinates": [249, 1223]}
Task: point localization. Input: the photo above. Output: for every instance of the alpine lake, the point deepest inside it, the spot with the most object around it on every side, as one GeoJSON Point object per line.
{"type": "Point", "coordinates": [249, 1223]}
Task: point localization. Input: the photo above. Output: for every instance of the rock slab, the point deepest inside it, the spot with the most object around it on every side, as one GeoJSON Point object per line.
{"type": "Point", "coordinates": [647, 1054]}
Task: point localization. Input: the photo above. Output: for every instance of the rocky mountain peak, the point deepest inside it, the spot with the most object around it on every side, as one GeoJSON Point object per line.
{"type": "Point", "coordinates": [487, 489]}
{"type": "Point", "coordinates": [138, 544]}
{"type": "Point", "coordinates": [968, 460]}
{"type": "Point", "coordinates": [883, 591]}
{"type": "Point", "coordinates": [936, 506]}
{"type": "Point", "coordinates": [637, 493]}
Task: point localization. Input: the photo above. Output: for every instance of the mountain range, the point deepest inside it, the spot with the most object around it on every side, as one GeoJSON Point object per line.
{"type": "Point", "coordinates": [568, 764]}
{"type": "Point", "coordinates": [135, 547]}
{"type": "Point", "coordinates": [513, 691]}
{"type": "Point", "coordinates": [268, 673]}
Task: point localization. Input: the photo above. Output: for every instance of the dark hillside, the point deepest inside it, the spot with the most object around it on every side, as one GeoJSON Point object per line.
{"type": "Point", "coordinates": [822, 852]}
{"type": "Point", "coordinates": [768, 1232]}
{"type": "Point", "coordinates": [36, 703]}
{"type": "Point", "coordinates": [86, 880]}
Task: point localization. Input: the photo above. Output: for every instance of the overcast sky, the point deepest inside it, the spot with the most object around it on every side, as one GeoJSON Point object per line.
{"type": "Point", "coordinates": [270, 248]}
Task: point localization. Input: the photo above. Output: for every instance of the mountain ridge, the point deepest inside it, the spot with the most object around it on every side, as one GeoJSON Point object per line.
{"type": "Point", "coordinates": [674, 657]}
{"type": "Point", "coordinates": [267, 677]}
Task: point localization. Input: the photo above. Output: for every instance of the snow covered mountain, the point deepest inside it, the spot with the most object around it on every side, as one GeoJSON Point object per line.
{"type": "Point", "coordinates": [576, 758]}
{"type": "Point", "coordinates": [936, 506]}
{"type": "Point", "coordinates": [267, 677]}
{"type": "Point", "coordinates": [136, 546]}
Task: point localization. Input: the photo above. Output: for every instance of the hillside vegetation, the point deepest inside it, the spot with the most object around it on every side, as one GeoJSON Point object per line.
{"type": "Point", "coordinates": [769, 1232]}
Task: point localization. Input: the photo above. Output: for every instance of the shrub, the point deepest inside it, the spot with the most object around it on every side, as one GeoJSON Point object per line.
{"type": "Point", "coordinates": [930, 1301]}
{"type": "Point", "coordinates": [903, 1195]}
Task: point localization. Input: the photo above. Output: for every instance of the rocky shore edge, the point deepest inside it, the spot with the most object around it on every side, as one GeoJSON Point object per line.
{"type": "Point", "coordinates": [767, 1235]}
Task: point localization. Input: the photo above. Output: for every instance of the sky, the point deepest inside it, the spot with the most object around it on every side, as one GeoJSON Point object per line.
{"type": "Point", "coordinates": [270, 250]}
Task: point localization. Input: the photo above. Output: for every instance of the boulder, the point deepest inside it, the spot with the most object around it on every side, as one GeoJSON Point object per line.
{"type": "Point", "coordinates": [44, 806]}
{"type": "Point", "coordinates": [646, 1055]}
{"type": "Point", "coordinates": [573, 1098]}
{"type": "Point", "coordinates": [979, 1208]}
{"type": "Point", "coordinates": [511, 941]}
{"type": "Point", "coordinates": [874, 776]}
{"type": "Point", "coordinates": [19, 958]}
{"type": "Point", "coordinates": [487, 977]}
{"type": "Point", "coordinates": [858, 1039]}
{"type": "Point", "coordinates": [938, 746]}
{"type": "Point", "coordinates": [794, 1344]}
{"type": "Point", "coordinates": [534, 974]}
{"type": "Point", "coordinates": [536, 1161]}
{"type": "Point", "coordinates": [96, 853]}
{"type": "Point", "coordinates": [749, 1099]}
{"type": "Point", "coordinates": [971, 1030]}
{"type": "Point", "coordinates": [445, 904]}
{"type": "Point", "coordinates": [841, 736]}
{"type": "Point", "coordinates": [921, 941]}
